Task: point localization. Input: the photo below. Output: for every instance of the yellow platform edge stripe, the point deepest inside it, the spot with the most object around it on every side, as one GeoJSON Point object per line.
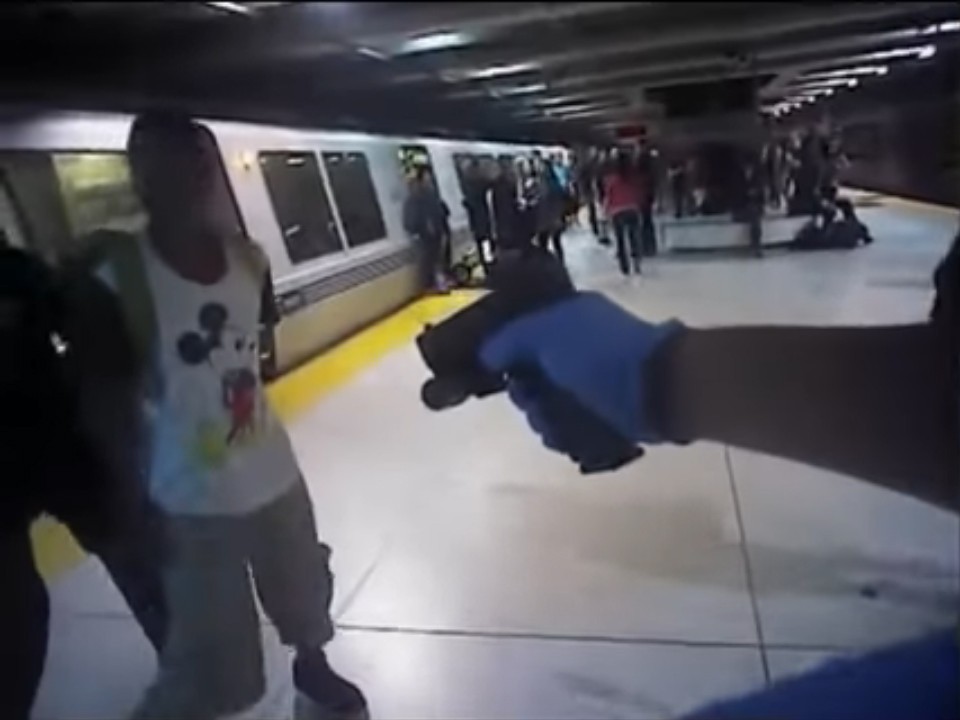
{"type": "Point", "coordinates": [55, 549]}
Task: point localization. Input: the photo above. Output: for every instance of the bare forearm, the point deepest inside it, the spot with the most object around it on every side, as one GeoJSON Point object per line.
{"type": "Point", "coordinates": [870, 402]}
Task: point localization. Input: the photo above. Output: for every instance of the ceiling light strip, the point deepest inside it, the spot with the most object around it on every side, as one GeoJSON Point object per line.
{"type": "Point", "coordinates": [237, 8]}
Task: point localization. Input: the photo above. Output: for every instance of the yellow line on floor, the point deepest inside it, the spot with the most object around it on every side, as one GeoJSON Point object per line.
{"type": "Point", "coordinates": [54, 547]}
{"type": "Point", "coordinates": [298, 390]}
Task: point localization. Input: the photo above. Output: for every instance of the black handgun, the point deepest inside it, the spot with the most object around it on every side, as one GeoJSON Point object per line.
{"type": "Point", "coordinates": [451, 350]}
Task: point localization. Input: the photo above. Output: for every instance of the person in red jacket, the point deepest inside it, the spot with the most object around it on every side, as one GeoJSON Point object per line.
{"type": "Point", "coordinates": [623, 198]}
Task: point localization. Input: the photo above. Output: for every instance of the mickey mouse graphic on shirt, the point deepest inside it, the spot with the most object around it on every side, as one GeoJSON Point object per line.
{"type": "Point", "coordinates": [231, 354]}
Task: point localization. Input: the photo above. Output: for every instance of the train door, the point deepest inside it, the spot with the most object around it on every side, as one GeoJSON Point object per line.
{"type": "Point", "coordinates": [412, 157]}
{"type": "Point", "coordinates": [33, 197]}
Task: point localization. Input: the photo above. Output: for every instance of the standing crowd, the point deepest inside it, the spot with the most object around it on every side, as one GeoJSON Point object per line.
{"type": "Point", "coordinates": [525, 204]}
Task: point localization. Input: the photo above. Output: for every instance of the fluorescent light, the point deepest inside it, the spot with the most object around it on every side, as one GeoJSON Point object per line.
{"type": "Point", "coordinates": [434, 41]}
{"type": "Point", "coordinates": [780, 108]}
{"type": "Point", "coordinates": [232, 7]}
{"type": "Point", "coordinates": [936, 29]}
{"type": "Point", "coordinates": [557, 100]}
{"type": "Point", "coordinates": [848, 72]}
{"type": "Point", "coordinates": [814, 91]}
{"type": "Point", "coordinates": [809, 84]}
{"type": "Point", "coordinates": [373, 53]}
{"type": "Point", "coordinates": [566, 109]}
{"type": "Point", "coordinates": [920, 51]}
{"type": "Point", "coordinates": [499, 70]}
{"type": "Point", "coordinates": [524, 89]}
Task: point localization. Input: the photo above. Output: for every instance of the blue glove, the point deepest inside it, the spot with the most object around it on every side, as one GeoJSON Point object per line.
{"type": "Point", "coordinates": [591, 348]}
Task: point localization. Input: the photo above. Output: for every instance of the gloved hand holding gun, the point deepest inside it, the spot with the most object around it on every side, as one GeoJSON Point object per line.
{"type": "Point", "coordinates": [572, 361]}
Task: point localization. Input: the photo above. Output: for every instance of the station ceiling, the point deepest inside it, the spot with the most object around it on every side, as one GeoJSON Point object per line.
{"type": "Point", "coordinates": [565, 71]}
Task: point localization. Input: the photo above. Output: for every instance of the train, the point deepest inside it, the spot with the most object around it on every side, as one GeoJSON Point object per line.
{"type": "Point", "coordinates": [325, 205]}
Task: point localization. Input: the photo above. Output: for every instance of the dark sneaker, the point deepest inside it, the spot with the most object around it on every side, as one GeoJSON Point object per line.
{"type": "Point", "coordinates": [322, 694]}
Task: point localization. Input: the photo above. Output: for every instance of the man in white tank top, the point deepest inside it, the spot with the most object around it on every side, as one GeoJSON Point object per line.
{"type": "Point", "coordinates": [221, 464]}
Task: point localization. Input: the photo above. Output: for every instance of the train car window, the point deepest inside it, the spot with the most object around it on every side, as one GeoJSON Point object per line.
{"type": "Point", "coordinates": [12, 230]}
{"type": "Point", "coordinates": [412, 157]}
{"type": "Point", "coordinates": [33, 193]}
{"type": "Point", "coordinates": [97, 192]}
{"type": "Point", "coordinates": [300, 204]}
{"type": "Point", "coordinates": [355, 196]}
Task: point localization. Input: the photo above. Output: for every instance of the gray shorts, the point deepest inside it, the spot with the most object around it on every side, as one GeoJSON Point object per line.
{"type": "Point", "coordinates": [212, 663]}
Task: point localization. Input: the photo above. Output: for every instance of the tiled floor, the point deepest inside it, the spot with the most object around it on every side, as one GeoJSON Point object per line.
{"type": "Point", "coordinates": [480, 577]}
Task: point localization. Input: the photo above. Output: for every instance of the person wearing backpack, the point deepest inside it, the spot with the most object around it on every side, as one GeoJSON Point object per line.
{"type": "Point", "coordinates": [221, 466]}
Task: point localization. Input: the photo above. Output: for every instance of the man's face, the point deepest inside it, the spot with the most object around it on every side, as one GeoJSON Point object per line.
{"type": "Point", "coordinates": [173, 171]}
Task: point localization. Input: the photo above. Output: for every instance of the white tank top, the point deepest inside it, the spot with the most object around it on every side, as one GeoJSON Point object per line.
{"type": "Point", "coordinates": [218, 448]}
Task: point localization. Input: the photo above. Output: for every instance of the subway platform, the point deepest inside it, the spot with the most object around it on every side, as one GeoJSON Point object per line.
{"type": "Point", "coordinates": [479, 576]}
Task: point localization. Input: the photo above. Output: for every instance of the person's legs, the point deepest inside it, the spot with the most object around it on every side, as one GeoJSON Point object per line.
{"type": "Point", "coordinates": [648, 233]}
{"type": "Point", "coordinates": [619, 222]}
{"type": "Point", "coordinates": [632, 232]}
{"type": "Point", "coordinates": [24, 618]}
{"type": "Point", "coordinates": [431, 256]}
{"type": "Point", "coordinates": [557, 240]}
{"type": "Point", "coordinates": [291, 570]}
{"type": "Point", "coordinates": [426, 261]}
{"type": "Point", "coordinates": [445, 261]}
{"type": "Point", "coordinates": [212, 661]}
{"type": "Point", "coordinates": [573, 208]}
{"type": "Point", "coordinates": [592, 215]}
{"type": "Point", "coordinates": [773, 190]}
{"type": "Point", "coordinates": [482, 244]}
